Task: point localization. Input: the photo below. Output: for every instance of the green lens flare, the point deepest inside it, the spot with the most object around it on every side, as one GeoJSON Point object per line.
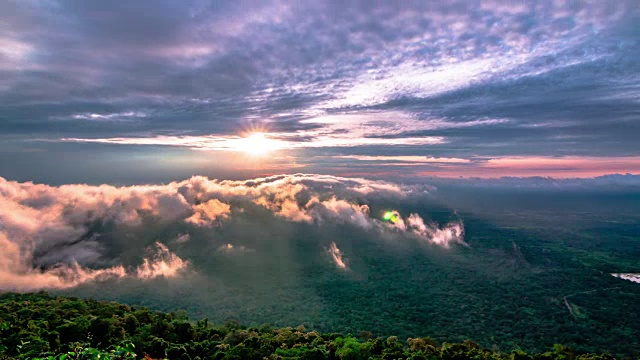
{"type": "Point", "coordinates": [390, 216]}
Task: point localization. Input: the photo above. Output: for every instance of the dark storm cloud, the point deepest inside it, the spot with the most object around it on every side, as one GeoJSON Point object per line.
{"type": "Point", "coordinates": [468, 80]}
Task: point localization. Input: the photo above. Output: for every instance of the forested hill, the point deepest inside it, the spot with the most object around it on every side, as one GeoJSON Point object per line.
{"type": "Point", "coordinates": [40, 326]}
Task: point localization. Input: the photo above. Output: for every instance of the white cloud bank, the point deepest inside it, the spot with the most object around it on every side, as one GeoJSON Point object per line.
{"type": "Point", "coordinates": [48, 239]}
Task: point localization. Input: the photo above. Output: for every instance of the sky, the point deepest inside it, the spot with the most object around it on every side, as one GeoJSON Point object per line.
{"type": "Point", "coordinates": [126, 92]}
{"type": "Point", "coordinates": [137, 137]}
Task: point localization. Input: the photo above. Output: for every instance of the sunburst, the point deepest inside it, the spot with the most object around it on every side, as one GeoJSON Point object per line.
{"type": "Point", "coordinates": [257, 144]}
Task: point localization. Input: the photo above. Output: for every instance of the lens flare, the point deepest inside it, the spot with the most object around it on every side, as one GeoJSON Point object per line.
{"type": "Point", "coordinates": [390, 216]}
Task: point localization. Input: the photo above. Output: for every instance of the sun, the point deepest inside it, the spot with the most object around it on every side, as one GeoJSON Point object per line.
{"type": "Point", "coordinates": [257, 144]}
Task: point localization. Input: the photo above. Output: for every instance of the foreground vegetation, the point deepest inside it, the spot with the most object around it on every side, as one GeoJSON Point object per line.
{"type": "Point", "coordinates": [40, 326]}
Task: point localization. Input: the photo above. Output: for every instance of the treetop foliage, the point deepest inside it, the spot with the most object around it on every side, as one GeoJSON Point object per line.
{"type": "Point", "coordinates": [40, 326]}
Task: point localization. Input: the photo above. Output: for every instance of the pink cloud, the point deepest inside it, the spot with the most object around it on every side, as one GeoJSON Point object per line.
{"type": "Point", "coordinates": [207, 213]}
{"type": "Point", "coordinates": [569, 166]}
{"type": "Point", "coordinates": [405, 159]}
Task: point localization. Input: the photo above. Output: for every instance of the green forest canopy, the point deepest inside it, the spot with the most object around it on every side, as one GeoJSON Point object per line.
{"type": "Point", "coordinates": [40, 326]}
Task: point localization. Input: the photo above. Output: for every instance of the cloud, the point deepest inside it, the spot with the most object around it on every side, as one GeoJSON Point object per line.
{"type": "Point", "coordinates": [347, 130]}
{"type": "Point", "coordinates": [631, 277]}
{"type": "Point", "coordinates": [450, 233]}
{"type": "Point", "coordinates": [608, 183]}
{"type": "Point", "coordinates": [444, 236]}
{"type": "Point", "coordinates": [72, 234]}
{"type": "Point", "coordinates": [396, 221]}
{"type": "Point", "coordinates": [336, 255]}
{"type": "Point", "coordinates": [206, 213]}
{"type": "Point", "coordinates": [230, 248]}
{"type": "Point", "coordinates": [339, 211]}
{"type": "Point", "coordinates": [582, 166]}
{"type": "Point", "coordinates": [408, 159]}
{"type": "Point", "coordinates": [164, 263]}
{"type": "Point", "coordinates": [123, 116]}
{"type": "Point", "coordinates": [182, 238]}
{"type": "Point", "coordinates": [414, 79]}
{"type": "Point", "coordinates": [17, 275]}
{"type": "Point", "coordinates": [14, 53]}
{"type": "Point", "coordinates": [411, 168]}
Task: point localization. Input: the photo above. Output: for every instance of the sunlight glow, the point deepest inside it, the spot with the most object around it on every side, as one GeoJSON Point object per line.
{"type": "Point", "coordinates": [257, 144]}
